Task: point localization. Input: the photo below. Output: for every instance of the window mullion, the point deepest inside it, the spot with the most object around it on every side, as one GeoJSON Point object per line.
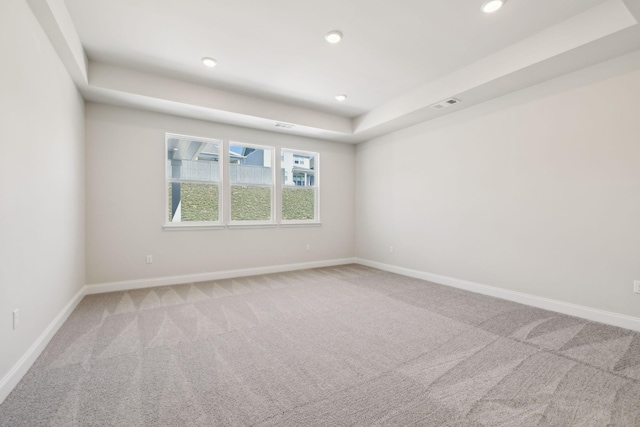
{"type": "Point", "coordinates": [277, 181]}
{"type": "Point", "coordinates": [226, 186]}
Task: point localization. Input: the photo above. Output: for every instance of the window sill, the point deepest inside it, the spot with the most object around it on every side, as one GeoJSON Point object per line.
{"type": "Point", "coordinates": [300, 224]}
{"type": "Point", "coordinates": [183, 226]}
{"type": "Point", "coordinates": [254, 225]}
{"type": "Point", "coordinates": [190, 227]}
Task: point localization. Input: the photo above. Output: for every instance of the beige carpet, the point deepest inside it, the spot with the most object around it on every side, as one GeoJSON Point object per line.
{"type": "Point", "coordinates": [326, 347]}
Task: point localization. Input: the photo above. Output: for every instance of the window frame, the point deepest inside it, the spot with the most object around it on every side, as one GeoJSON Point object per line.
{"type": "Point", "coordinates": [224, 187]}
{"type": "Point", "coordinates": [181, 225]}
{"type": "Point", "coordinates": [316, 188]}
{"type": "Point", "coordinates": [231, 223]}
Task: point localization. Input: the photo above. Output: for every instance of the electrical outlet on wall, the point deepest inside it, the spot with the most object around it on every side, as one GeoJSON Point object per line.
{"type": "Point", "coordinates": [149, 259]}
{"type": "Point", "coordinates": [636, 286]}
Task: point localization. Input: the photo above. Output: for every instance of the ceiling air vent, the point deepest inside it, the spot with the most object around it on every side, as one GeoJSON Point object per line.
{"type": "Point", "coordinates": [446, 103]}
{"type": "Point", "coordinates": [284, 125]}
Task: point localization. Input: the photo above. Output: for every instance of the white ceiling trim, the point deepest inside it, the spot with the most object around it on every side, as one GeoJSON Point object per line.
{"type": "Point", "coordinates": [603, 32]}
{"type": "Point", "coordinates": [220, 105]}
{"type": "Point", "coordinates": [56, 22]}
{"type": "Point", "coordinates": [594, 24]}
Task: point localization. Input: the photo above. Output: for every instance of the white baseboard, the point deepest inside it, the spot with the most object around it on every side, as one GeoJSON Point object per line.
{"type": "Point", "coordinates": [217, 275]}
{"type": "Point", "coordinates": [596, 315]}
{"type": "Point", "coordinates": [13, 377]}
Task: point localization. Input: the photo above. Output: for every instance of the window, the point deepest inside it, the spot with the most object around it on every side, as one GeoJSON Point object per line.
{"type": "Point", "coordinates": [217, 184]}
{"type": "Point", "coordinates": [299, 190]}
{"type": "Point", "coordinates": [193, 179]}
{"type": "Point", "coordinates": [251, 183]}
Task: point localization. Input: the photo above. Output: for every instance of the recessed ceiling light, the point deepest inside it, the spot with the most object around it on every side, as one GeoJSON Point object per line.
{"type": "Point", "coordinates": [492, 5]}
{"type": "Point", "coordinates": [333, 36]}
{"type": "Point", "coordinates": [341, 98]}
{"type": "Point", "coordinates": [209, 62]}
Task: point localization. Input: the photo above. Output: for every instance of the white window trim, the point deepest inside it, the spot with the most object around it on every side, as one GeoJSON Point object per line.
{"type": "Point", "coordinates": [253, 224]}
{"type": "Point", "coordinates": [204, 225]}
{"type": "Point", "coordinates": [190, 225]}
{"type": "Point", "coordinates": [224, 193]}
{"type": "Point", "coordinates": [304, 223]}
{"type": "Point", "coordinates": [315, 187]}
{"type": "Point", "coordinates": [247, 223]}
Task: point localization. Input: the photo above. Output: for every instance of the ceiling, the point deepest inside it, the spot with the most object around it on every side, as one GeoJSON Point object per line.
{"type": "Point", "coordinates": [275, 66]}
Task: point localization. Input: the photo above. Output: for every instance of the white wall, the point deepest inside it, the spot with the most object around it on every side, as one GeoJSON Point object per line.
{"type": "Point", "coordinates": [537, 192]}
{"type": "Point", "coordinates": [126, 203]}
{"type": "Point", "coordinates": [41, 183]}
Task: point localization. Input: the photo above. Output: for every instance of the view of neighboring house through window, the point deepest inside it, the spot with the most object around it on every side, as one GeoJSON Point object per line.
{"type": "Point", "coordinates": [251, 182]}
{"type": "Point", "coordinates": [217, 183]}
{"type": "Point", "coordinates": [193, 179]}
{"type": "Point", "coordinates": [299, 189]}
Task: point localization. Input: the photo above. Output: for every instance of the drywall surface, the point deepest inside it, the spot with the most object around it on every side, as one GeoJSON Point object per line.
{"type": "Point", "coordinates": [537, 192]}
{"type": "Point", "coordinates": [126, 206]}
{"type": "Point", "coordinates": [41, 183]}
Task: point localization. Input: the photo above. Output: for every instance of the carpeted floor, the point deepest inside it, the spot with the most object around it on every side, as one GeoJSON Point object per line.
{"type": "Point", "coordinates": [326, 347]}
